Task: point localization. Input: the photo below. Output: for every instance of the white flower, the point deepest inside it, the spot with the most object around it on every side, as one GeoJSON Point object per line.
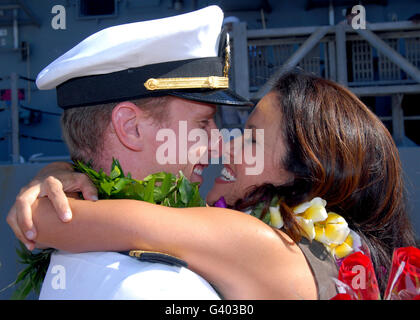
{"type": "Point", "coordinates": [304, 206]}
{"type": "Point", "coordinates": [276, 219]}
{"type": "Point", "coordinates": [309, 213]}
{"type": "Point", "coordinates": [307, 226]}
{"type": "Point", "coordinates": [334, 230]}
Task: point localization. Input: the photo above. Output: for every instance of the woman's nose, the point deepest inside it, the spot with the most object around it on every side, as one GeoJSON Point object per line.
{"type": "Point", "coordinates": [232, 150]}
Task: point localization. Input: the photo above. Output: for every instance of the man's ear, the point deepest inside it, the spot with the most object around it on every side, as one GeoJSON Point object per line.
{"type": "Point", "coordinates": [125, 119]}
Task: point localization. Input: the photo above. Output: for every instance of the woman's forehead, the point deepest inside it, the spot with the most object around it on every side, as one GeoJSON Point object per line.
{"type": "Point", "coordinates": [264, 113]}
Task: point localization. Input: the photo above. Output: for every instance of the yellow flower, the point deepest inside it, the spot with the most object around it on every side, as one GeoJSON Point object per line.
{"type": "Point", "coordinates": [343, 249]}
{"type": "Point", "coordinates": [329, 228]}
{"type": "Point", "coordinates": [304, 206]}
{"type": "Point", "coordinates": [276, 219]}
{"type": "Point", "coordinates": [309, 213]}
{"type": "Point", "coordinates": [307, 226]}
{"type": "Point", "coordinates": [315, 212]}
{"type": "Point", "coordinates": [334, 230]}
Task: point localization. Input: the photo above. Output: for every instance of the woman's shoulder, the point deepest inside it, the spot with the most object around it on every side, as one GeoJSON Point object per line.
{"type": "Point", "coordinates": [306, 268]}
{"type": "Point", "coordinates": [291, 270]}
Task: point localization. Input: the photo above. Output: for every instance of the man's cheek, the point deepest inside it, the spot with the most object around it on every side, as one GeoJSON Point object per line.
{"type": "Point", "coordinates": [166, 151]}
{"type": "Point", "coordinates": [198, 146]}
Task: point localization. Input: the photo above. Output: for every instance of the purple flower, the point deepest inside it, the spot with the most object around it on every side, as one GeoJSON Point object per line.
{"type": "Point", "coordinates": [221, 203]}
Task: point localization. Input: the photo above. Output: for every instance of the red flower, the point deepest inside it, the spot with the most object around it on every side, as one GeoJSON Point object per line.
{"type": "Point", "coordinates": [357, 272]}
{"type": "Point", "coordinates": [341, 296]}
{"type": "Point", "coordinates": [404, 278]}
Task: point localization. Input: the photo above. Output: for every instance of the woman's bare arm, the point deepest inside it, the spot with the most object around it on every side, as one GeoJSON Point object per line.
{"type": "Point", "coordinates": [228, 248]}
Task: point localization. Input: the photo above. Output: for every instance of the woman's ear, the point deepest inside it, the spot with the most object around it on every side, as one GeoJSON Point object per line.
{"type": "Point", "coordinates": [125, 119]}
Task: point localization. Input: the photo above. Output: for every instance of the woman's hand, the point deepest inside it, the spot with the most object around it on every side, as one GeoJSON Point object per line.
{"type": "Point", "coordinates": [53, 181]}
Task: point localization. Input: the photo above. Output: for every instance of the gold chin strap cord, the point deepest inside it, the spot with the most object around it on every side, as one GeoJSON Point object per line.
{"type": "Point", "coordinates": [212, 82]}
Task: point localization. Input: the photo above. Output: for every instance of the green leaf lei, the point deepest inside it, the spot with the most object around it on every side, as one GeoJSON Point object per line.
{"type": "Point", "coordinates": [160, 188]}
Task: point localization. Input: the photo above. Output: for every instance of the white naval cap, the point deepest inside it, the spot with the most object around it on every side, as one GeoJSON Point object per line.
{"type": "Point", "coordinates": [179, 55]}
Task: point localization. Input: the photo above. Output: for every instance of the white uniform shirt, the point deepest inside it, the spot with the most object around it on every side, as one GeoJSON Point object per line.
{"type": "Point", "coordinates": [110, 275]}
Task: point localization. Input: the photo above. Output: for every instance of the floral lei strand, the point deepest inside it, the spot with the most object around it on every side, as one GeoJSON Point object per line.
{"type": "Point", "coordinates": [329, 228]}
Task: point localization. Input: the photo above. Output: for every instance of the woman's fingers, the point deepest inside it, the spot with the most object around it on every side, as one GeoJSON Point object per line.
{"type": "Point", "coordinates": [63, 181]}
{"type": "Point", "coordinates": [23, 210]}
{"type": "Point", "coordinates": [54, 190]}
{"type": "Point", "coordinates": [68, 181]}
{"type": "Point", "coordinates": [13, 223]}
{"type": "Point", "coordinates": [52, 182]}
{"type": "Point", "coordinates": [83, 184]}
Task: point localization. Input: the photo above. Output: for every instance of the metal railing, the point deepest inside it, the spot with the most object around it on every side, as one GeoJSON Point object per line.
{"type": "Point", "coordinates": [383, 54]}
{"type": "Point", "coordinates": [383, 59]}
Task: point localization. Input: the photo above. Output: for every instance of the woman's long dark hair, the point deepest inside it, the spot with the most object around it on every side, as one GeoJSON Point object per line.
{"type": "Point", "coordinates": [340, 151]}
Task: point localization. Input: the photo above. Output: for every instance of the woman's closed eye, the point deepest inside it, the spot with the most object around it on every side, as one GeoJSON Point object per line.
{"type": "Point", "coordinates": [204, 123]}
{"type": "Point", "coordinates": [250, 134]}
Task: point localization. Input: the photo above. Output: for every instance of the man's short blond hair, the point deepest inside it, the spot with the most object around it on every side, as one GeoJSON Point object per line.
{"type": "Point", "coordinates": [84, 127]}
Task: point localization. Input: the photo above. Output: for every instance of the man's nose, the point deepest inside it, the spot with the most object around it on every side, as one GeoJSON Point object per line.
{"type": "Point", "coordinates": [233, 149]}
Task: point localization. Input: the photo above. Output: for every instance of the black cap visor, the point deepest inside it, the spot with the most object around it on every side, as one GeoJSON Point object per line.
{"type": "Point", "coordinates": [129, 84]}
{"type": "Point", "coordinates": [220, 97]}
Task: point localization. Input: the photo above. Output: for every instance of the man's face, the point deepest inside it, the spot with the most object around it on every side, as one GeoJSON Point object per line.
{"type": "Point", "coordinates": [179, 140]}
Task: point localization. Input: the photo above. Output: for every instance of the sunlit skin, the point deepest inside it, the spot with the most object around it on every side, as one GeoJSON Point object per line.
{"type": "Point", "coordinates": [132, 138]}
{"type": "Point", "coordinates": [265, 116]}
{"type": "Point", "coordinates": [198, 116]}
